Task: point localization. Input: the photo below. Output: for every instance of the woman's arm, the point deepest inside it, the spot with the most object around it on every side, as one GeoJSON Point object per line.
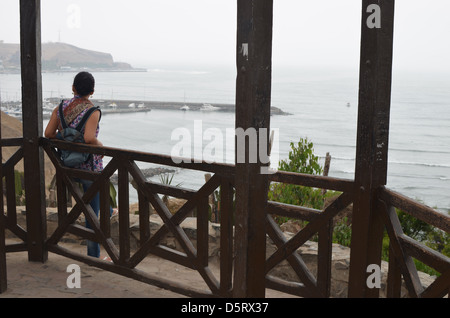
{"type": "Point", "coordinates": [52, 126]}
{"type": "Point", "coordinates": [91, 128]}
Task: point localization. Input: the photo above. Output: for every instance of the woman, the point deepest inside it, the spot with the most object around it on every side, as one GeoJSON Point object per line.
{"type": "Point", "coordinates": [74, 109]}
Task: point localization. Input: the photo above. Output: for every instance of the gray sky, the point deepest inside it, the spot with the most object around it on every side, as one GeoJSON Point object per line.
{"type": "Point", "coordinates": [182, 32]}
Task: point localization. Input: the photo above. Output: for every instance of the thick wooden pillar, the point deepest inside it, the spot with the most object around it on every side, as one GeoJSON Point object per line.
{"type": "Point", "coordinates": [372, 141]}
{"type": "Point", "coordinates": [253, 92]}
{"type": "Point", "coordinates": [30, 50]}
{"type": "Point", "coordinates": [3, 276]}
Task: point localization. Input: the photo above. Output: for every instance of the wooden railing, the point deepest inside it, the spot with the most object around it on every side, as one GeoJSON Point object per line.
{"type": "Point", "coordinates": [195, 255]}
{"type": "Point", "coordinates": [318, 222]}
{"type": "Point", "coordinates": [8, 173]}
{"type": "Point", "coordinates": [9, 220]}
{"type": "Point", "coordinates": [403, 248]}
{"type": "Point", "coordinates": [124, 261]}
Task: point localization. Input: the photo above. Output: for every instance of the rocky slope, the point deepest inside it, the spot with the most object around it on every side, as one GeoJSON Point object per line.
{"type": "Point", "coordinates": [61, 57]}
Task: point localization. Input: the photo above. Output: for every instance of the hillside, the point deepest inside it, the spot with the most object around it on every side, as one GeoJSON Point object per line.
{"type": "Point", "coordinates": [12, 128]}
{"type": "Point", "coordinates": [62, 57]}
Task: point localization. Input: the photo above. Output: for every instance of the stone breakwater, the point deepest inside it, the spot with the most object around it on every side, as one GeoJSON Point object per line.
{"type": "Point", "coordinates": [128, 106]}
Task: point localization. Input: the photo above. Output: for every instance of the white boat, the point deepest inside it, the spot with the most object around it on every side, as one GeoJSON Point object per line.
{"type": "Point", "coordinates": [132, 105]}
{"type": "Point", "coordinates": [209, 107]}
{"type": "Point", "coordinates": [185, 107]}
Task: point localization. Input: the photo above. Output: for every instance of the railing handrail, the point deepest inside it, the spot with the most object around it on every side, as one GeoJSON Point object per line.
{"type": "Point", "coordinates": [309, 180]}
{"type": "Point", "coordinates": [416, 209]}
{"type": "Point", "coordinates": [187, 163]}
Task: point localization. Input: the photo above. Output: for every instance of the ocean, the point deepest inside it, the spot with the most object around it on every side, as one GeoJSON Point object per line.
{"type": "Point", "coordinates": [323, 108]}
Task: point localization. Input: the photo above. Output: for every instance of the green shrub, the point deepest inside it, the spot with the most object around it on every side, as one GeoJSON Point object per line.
{"type": "Point", "coordinates": [301, 160]}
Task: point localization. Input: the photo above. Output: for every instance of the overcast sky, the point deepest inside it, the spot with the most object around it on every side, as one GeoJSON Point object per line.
{"type": "Point", "coordinates": [150, 33]}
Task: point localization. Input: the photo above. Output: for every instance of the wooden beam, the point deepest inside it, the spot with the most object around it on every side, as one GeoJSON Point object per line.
{"type": "Point", "coordinates": [372, 140]}
{"type": "Point", "coordinates": [3, 274]}
{"type": "Point", "coordinates": [253, 95]}
{"type": "Point", "coordinates": [30, 50]}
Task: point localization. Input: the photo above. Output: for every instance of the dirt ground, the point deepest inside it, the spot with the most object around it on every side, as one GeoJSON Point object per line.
{"type": "Point", "coordinates": [49, 280]}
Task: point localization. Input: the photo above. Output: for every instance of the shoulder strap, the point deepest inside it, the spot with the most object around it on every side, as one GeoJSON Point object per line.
{"type": "Point", "coordinates": [86, 117]}
{"type": "Point", "coordinates": [83, 121]}
{"type": "Point", "coordinates": [61, 115]}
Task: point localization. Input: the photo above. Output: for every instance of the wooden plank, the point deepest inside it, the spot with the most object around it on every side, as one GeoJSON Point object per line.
{"type": "Point", "coordinates": [177, 192]}
{"type": "Point", "coordinates": [423, 253]}
{"type": "Point", "coordinates": [292, 211]}
{"type": "Point", "coordinates": [11, 209]}
{"type": "Point", "coordinates": [372, 144]}
{"type": "Point", "coordinates": [253, 96]}
{"type": "Point", "coordinates": [324, 255]}
{"type": "Point", "coordinates": [105, 209]}
{"type": "Point", "coordinates": [30, 52]}
{"type": "Point", "coordinates": [144, 218]}
{"type": "Point", "coordinates": [133, 155]}
{"type": "Point", "coordinates": [203, 232]}
{"type": "Point", "coordinates": [439, 287]}
{"type": "Point", "coordinates": [61, 194]}
{"type": "Point", "coordinates": [394, 279]}
{"type": "Point", "coordinates": [9, 174]}
{"type": "Point", "coordinates": [404, 261]}
{"type": "Point", "coordinates": [308, 180]}
{"type": "Point", "coordinates": [416, 209]}
{"type": "Point", "coordinates": [3, 269]}
{"type": "Point", "coordinates": [226, 238]}
{"type": "Point", "coordinates": [9, 142]}
{"type": "Point", "coordinates": [124, 214]}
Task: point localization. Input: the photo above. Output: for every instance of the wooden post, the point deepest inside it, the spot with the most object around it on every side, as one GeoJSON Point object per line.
{"type": "Point", "coordinates": [3, 275]}
{"type": "Point", "coordinates": [30, 49]}
{"type": "Point", "coordinates": [372, 141]}
{"type": "Point", "coordinates": [253, 92]}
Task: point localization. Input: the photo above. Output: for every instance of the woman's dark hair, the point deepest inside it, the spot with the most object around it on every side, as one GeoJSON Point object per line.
{"type": "Point", "coordinates": [84, 83]}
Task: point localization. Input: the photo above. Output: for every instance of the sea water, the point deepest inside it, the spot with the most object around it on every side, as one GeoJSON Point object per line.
{"type": "Point", "coordinates": [323, 108]}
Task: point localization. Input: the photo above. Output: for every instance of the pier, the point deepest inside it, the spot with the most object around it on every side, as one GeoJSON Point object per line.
{"type": "Point", "coordinates": [14, 108]}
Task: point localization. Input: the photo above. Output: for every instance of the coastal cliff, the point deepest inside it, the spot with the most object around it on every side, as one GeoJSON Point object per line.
{"type": "Point", "coordinates": [59, 57]}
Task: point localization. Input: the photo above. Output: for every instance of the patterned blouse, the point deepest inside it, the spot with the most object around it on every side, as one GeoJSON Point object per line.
{"type": "Point", "coordinates": [97, 163]}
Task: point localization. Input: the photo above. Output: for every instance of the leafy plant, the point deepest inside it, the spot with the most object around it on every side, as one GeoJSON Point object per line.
{"type": "Point", "coordinates": [301, 160]}
{"type": "Point", "coordinates": [166, 179]}
{"type": "Point", "coordinates": [112, 195]}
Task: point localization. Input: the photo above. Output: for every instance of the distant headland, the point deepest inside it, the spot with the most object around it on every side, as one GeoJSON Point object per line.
{"type": "Point", "coordinates": [63, 57]}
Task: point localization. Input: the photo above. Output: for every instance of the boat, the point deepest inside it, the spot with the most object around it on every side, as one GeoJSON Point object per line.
{"type": "Point", "coordinates": [209, 107]}
{"type": "Point", "coordinates": [185, 107]}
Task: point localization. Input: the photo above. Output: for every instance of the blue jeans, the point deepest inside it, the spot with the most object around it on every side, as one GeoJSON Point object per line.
{"type": "Point", "coordinates": [93, 248]}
